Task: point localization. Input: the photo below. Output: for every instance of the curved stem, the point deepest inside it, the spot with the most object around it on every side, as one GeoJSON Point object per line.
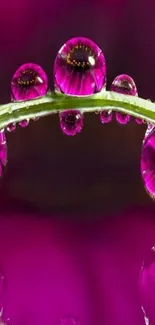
{"type": "Point", "coordinates": [54, 103]}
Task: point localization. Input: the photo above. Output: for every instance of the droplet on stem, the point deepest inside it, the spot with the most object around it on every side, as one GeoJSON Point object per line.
{"type": "Point", "coordinates": [28, 82]}
{"type": "Point", "coordinates": [124, 84]}
{"type": "Point", "coordinates": [79, 68]}
{"type": "Point", "coordinates": [24, 123]}
{"type": "Point", "coordinates": [71, 122]}
{"type": "Point", "coordinates": [138, 120]}
{"type": "Point", "coordinates": [122, 118]}
{"type": "Point", "coordinates": [106, 116]}
{"type": "Point", "coordinates": [11, 127]}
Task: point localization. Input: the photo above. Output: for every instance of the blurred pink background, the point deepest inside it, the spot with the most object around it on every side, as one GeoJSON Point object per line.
{"type": "Point", "coordinates": [75, 221]}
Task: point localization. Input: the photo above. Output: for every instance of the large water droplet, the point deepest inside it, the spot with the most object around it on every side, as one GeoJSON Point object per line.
{"type": "Point", "coordinates": [148, 161]}
{"type": "Point", "coordinates": [29, 82]}
{"type": "Point", "coordinates": [71, 122]}
{"type": "Point", "coordinates": [124, 84]}
{"type": "Point", "coordinates": [147, 287]}
{"type": "Point", "coordinates": [79, 68]}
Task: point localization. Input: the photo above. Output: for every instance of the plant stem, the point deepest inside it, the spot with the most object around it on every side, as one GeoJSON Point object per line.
{"type": "Point", "coordinates": [54, 103]}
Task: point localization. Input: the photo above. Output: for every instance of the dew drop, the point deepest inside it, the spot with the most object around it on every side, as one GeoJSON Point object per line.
{"type": "Point", "coordinates": [138, 120]}
{"type": "Point", "coordinates": [28, 82]}
{"type": "Point", "coordinates": [148, 161]}
{"type": "Point", "coordinates": [122, 118]}
{"type": "Point", "coordinates": [71, 122]}
{"type": "Point", "coordinates": [147, 287]}
{"type": "Point", "coordinates": [124, 84]}
{"type": "Point", "coordinates": [24, 123]}
{"type": "Point", "coordinates": [106, 116]}
{"type": "Point", "coordinates": [79, 68]}
{"type": "Point", "coordinates": [11, 127]}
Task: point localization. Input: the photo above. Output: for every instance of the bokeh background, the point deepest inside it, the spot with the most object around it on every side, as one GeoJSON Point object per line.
{"type": "Point", "coordinates": [80, 197]}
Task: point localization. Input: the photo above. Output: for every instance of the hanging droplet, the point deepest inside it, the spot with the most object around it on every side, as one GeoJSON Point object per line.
{"type": "Point", "coordinates": [148, 161]}
{"type": "Point", "coordinates": [124, 84]}
{"type": "Point", "coordinates": [29, 82]}
{"type": "Point", "coordinates": [147, 287]}
{"type": "Point", "coordinates": [71, 122]}
{"type": "Point", "coordinates": [122, 118]}
{"type": "Point", "coordinates": [11, 127]}
{"type": "Point", "coordinates": [106, 116]}
{"type": "Point", "coordinates": [24, 123]}
{"type": "Point", "coordinates": [138, 120]}
{"type": "Point", "coordinates": [79, 68]}
{"type": "Point", "coordinates": [69, 320]}
{"type": "Point", "coordinates": [3, 162]}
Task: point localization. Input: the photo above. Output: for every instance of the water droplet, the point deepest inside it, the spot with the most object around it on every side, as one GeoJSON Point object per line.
{"type": "Point", "coordinates": [148, 161]}
{"type": "Point", "coordinates": [124, 84]}
{"type": "Point", "coordinates": [122, 118]}
{"type": "Point", "coordinates": [24, 123]}
{"type": "Point", "coordinates": [28, 82]}
{"type": "Point", "coordinates": [3, 162]}
{"type": "Point", "coordinates": [11, 127]}
{"type": "Point", "coordinates": [105, 116]}
{"type": "Point", "coordinates": [71, 122]}
{"type": "Point", "coordinates": [79, 68]}
{"type": "Point", "coordinates": [138, 120]}
{"type": "Point", "coordinates": [147, 287]}
{"type": "Point", "coordinates": [69, 320]}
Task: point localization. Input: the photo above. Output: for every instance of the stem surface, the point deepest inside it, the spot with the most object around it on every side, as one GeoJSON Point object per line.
{"type": "Point", "coordinates": [53, 103]}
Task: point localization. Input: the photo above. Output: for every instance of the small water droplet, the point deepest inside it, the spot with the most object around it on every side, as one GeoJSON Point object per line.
{"type": "Point", "coordinates": [138, 120]}
{"type": "Point", "coordinates": [11, 127]}
{"type": "Point", "coordinates": [124, 84]}
{"type": "Point", "coordinates": [148, 162]}
{"type": "Point", "coordinates": [122, 118]}
{"type": "Point", "coordinates": [147, 287]}
{"type": "Point", "coordinates": [24, 123]}
{"type": "Point", "coordinates": [106, 116]}
{"type": "Point", "coordinates": [29, 82]}
{"type": "Point", "coordinates": [79, 68]}
{"type": "Point", "coordinates": [71, 122]}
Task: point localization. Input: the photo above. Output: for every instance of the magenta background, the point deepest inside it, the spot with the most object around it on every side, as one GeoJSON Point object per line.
{"type": "Point", "coordinates": [80, 221]}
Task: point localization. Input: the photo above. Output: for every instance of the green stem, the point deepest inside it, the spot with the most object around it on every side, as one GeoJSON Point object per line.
{"type": "Point", "coordinates": [54, 103]}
